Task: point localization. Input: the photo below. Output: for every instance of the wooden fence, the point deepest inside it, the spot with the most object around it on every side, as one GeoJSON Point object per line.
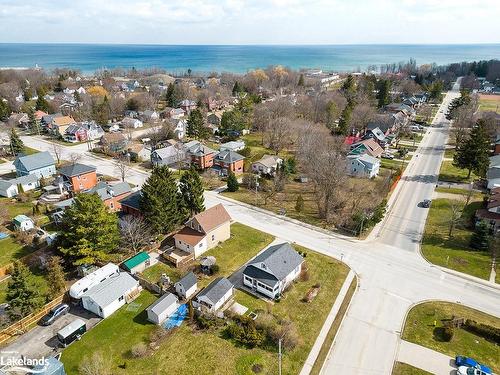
{"type": "Point", "coordinates": [23, 325]}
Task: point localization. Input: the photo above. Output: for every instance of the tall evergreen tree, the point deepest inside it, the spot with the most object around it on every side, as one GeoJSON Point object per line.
{"type": "Point", "coordinates": [384, 92]}
{"type": "Point", "coordinates": [345, 120]}
{"type": "Point", "coordinates": [480, 239]}
{"type": "Point", "coordinates": [89, 231]}
{"type": "Point", "coordinates": [172, 96]}
{"type": "Point", "coordinates": [472, 154]}
{"type": "Point", "coordinates": [160, 201]}
{"type": "Point", "coordinates": [301, 82]}
{"type": "Point", "coordinates": [23, 292]}
{"type": "Point", "coordinates": [349, 88]}
{"type": "Point", "coordinates": [4, 110]}
{"type": "Point", "coordinates": [232, 182]}
{"type": "Point", "coordinates": [42, 104]}
{"type": "Point", "coordinates": [238, 88]}
{"type": "Point", "coordinates": [16, 144]}
{"type": "Point", "coordinates": [55, 277]}
{"type": "Point", "coordinates": [191, 188]}
{"type": "Point", "coordinates": [33, 122]}
{"type": "Point", "coordinates": [195, 124]}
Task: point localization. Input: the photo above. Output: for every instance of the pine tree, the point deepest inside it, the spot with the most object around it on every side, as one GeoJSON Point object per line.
{"type": "Point", "coordinates": [238, 89]}
{"type": "Point", "coordinates": [172, 96]}
{"type": "Point", "coordinates": [16, 144]}
{"type": "Point", "coordinates": [384, 92]}
{"type": "Point", "coordinates": [195, 126]}
{"type": "Point", "coordinates": [191, 188]}
{"type": "Point", "coordinates": [33, 123]}
{"type": "Point", "coordinates": [23, 292]}
{"type": "Point", "coordinates": [349, 88]}
{"type": "Point", "coordinates": [89, 231]}
{"type": "Point", "coordinates": [4, 110]}
{"type": "Point", "coordinates": [232, 182]}
{"type": "Point", "coordinates": [345, 120]}
{"type": "Point", "coordinates": [299, 204]}
{"type": "Point", "coordinates": [480, 239]}
{"type": "Point", "coordinates": [301, 82]}
{"type": "Point", "coordinates": [160, 201]}
{"type": "Point", "coordinates": [55, 277]}
{"type": "Point", "coordinates": [472, 154]}
{"type": "Point", "coordinates": [42, 104]}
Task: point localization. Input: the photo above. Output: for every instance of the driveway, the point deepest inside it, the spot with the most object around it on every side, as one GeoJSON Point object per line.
{"type": "Point", "coordinates": [426, 359]}
{"type": "Point", "coordinates": [42, 341]}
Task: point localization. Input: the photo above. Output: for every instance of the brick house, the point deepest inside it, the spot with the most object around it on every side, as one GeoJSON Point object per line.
{"type": "Point", "coordinates": [201, 156]}
{"type": "Point", "coordinates": [130, 205]}
{"type": "Point", "coordinates": [228, 161]}
{"type": "Point", "coordinates": [78, 177]}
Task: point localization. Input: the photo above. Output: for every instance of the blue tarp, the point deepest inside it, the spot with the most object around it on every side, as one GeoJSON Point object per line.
{"type": "Point", "coordinates": [176, 319]}
{"type": "Point", "coordinates": [3, 235]}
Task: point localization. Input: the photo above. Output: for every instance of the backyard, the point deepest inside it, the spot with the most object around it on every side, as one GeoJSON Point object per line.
{"type": "Point", "coordinates": [191, 351]}
{"type": "Point", "coordinates": [455, 253]}
{"type": "Point", "coordinates": [420, 329]}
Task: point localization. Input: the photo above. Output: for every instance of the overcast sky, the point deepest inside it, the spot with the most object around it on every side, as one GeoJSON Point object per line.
{"type": "Point", "coordinates": [250, 21]}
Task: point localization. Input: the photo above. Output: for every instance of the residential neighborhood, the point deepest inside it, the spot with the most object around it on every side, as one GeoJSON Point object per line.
{"type": "Point", "coordinates": [255, 220]}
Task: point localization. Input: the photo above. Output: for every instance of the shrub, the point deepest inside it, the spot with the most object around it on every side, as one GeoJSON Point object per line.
{"type": "Point", "coordinates": [244, 330]}
{"type": "Point", "coordinates": [246, 152]}
{"type": "Point", "coordinates": [139, 350]}
{"type": "Point", "coordinates": [232, 183]}
{"type": "Point", "coordinates": [484, 330]}
{"type": "Point", "coordinates": [157, 334]}
{"type": "Point", "coordinates": [299, 204]}
{"type": "Point", "coordinates": [304, 275]}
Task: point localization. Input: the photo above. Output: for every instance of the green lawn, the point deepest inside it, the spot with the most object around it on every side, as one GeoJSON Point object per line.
{"type": "Point", "coordinates": [29, 151]}
{"type": "Point", "coordinates": [404, 369]}
{"type": "Point", "coordinates": [17, 208]}
{"type": "Point", "coordinates": [489, 103]}
{"type": "Point", "coordinates": [39, 277]}
{"type": "Point", "coordinates": [451, 173]}
{"type": "Point", "coordinates": [453, 252]}
{"type": "Point", "coordinates": [393, 164]}
{"type": "Point", "coordinates": [449, 153]}
{"type": "Point", "coordinates": [419, 328]}
{"type": "Point", "coordinates": [460, 192]}
{"type": "Point", "coordinates": [11, 250]}
{"type": "Point", "coordinates": [188, 351]}
{"type": "Point", "coordinates": [153, 273]}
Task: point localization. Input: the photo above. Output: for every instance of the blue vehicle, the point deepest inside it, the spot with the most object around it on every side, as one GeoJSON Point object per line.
{"type": "Point", "coordinates": [469, 362]}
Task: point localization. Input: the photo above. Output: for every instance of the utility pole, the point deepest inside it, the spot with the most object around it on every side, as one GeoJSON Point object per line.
{"type": "Point", "coordinates": [279, 356]}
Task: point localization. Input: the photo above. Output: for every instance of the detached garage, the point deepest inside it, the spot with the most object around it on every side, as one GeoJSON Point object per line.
{"type": "Point", "coordinates": [162, 308]}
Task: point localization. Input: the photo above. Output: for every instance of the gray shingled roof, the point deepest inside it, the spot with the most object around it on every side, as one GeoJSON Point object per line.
{"type": "Point", "coordinates": [104, 190]}
{"type": "Point", "coordinates": [35, 161]}
{"type": "Point", "coordinates": [133, 200]}
{"type": "Point", "coordinates": [280, 260]}
{"type": "Point", "coordinates": [229, 157]}
{"type": "Point", "coordinates": [111, 289]}
{"type": "Point", "coordinates": [216, 289]}
{"type": "Point", "coordinates": [187, 281]}
{"type": "Point", "coordinates": [163, 303]}
{"type": "Point", "coordinates": [76, 169]}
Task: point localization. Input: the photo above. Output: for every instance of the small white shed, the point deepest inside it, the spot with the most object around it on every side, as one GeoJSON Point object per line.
{"type": "Point", "coordinates": [23, 223]}
{"type": "Point", "coordinates": [186, 286]}
{"type": "Point", "coordinates": [162, 308]}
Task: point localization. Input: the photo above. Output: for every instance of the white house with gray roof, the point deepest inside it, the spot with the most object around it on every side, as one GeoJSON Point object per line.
{"type": "Point", "coordinates": [271, 271]}
{"type": "Point", "coordinates": [10, 188]}
{"type": "Point", "coordinates": [105, 298]}
{"type": "Point", "coordinates": [267, 165]}
{"type": "Point", "coordinates": [214, 296]}
{"type": "Point", "coordinates": [162, 308]}
{"type": "Point", "coordinates": [186, 286]}
{"type": "Point", "coordinates": [364, 165]}
{"type": "Point", "coordinates": [41, 164]}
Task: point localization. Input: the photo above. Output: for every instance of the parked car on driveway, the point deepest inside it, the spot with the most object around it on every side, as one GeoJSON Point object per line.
{"type": "Point", "coordinates": [469, 362]}
{"type": "Point", "coordinates": [54, 314]}
{"type": "Point", "coordinates": [387, 155]}
{"type": "Point", "coordinates": [464, 370]}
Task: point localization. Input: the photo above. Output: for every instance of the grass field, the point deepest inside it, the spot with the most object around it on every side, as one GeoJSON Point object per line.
{"type": "Point", "coordinates": [404, 369]}
{"type": "Point", "coordinates": [453, 252]}
{"type": "Point", "coordinates": [489, 103]}
{"type": "Point", "coordinates": [449, 172]}
{"type": "Point", "coordinates": [189, 351]}
{"type": "Point", "coordinates": [460, 192]}
{"type": "Point", "coordinates": [419, 329]}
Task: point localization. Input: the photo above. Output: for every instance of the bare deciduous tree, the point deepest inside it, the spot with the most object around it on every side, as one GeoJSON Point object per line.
{"type": "Point", "coordinates": [96, 364]}
{"type": "Point", "coordinates": [135, 233]}
{"type": "Point", "coordinates": [323, 158]}
{"type": "Point", "coordinates": [58, 150]}
{"type": "Point", "coordinates": [122, 166]}
{"type": "Point", "coordinates": [456, 208]}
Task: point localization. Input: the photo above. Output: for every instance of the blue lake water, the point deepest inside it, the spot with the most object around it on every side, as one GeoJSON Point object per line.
{"type": "Point", "coordinates": [237, 59]}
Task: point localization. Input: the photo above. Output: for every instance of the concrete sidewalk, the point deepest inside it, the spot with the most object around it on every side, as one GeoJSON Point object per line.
{"type": "Point", "coordinates": [426, 359]}
{"type": "Point", "coordinates": [313, 354]}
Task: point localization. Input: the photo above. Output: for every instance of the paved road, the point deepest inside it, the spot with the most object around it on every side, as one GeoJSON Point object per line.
{"type": "Point", "coordinates": [393, 276]}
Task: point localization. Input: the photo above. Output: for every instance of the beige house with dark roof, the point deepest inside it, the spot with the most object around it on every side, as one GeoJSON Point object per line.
{"type": "Point", "coordinates": [204, 231]}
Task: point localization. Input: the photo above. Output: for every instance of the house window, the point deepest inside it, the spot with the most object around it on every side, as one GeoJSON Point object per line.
{"type": "Point", "coordinates": [120, 299]}
{"type": "Point", "coordinates": [112, 205]}
{"type": "Point", "coordinates": [213, 237]}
